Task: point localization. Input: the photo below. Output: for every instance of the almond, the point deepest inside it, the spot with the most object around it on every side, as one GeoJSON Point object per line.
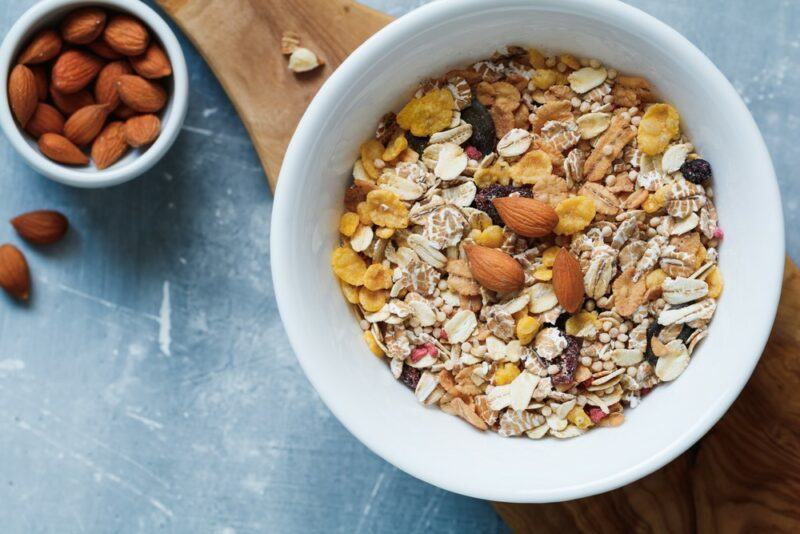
{"type": "Point", "coordinates": [74, 70]}
{"type": "Point", "coordinates": [124, 112]}
{"type": "Point", "coordinates": [84, 25]}
{"type": "Point", "coordinates": [526, 216]}
{"type": "Point", "coordinates": [494, 269]}
{"type": "Point", "coordinates": [154, 63]}
{"type": "Point", "coordinates": [568, 281]}
{"type": "Point", "coordinates": [110, 145]}
{"type": "Point", "coordinates": [105, 89]}
{"type": "Point", "coordinates": [101, 48]}
{"type": "Point", "coordinates": [15, 277]}
{"type": "Point", "coordinates": [142, 95]}
{"type": "Point", "coordinates": [44, 46]}
{"type": "Point", "coordinates": [142, 130]}
{"type": "Point", "coordinates": [60, 149]}
{"type": "Point", "coordinates": [40, 74]}
{"type": "Point", "coordinates": [46, 119]}
{"type": "Point", "coordinates": [41, 227]}
{"type": "Point", "coordinates": [127, 35]}
{"type": "Point", "coordinates": [84, 125]}
{"type": "Point", "coordinates": [22, 94]}
{"type": "Point", "coordinates": [69, 104]}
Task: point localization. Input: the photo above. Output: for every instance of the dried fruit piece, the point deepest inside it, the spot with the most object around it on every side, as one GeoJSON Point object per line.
{"type": "Point", "coordinates": [494, 269]}
{"type": "Point", "coordinates": [154, 63]}
{"type": "Point", "coordinates": [127, 35]}
{"type": "Point", "coordinates": [410, 376]}
{"type": "Point", "coordinates": [143, 95]}
{"type": "Point", "coordinates": [84, 125]}
{"type": "Point", "coordinates": [574, 214]}
{"type": "Point", "coordinates": [110, 145]}
{"type": "Point", "coordinates": [44, 46]}
{"type": "Point", "coordinates": [83, 25]}
{"type": "Point", "coordinates": [74, 70]}
{"type": "Point", "coordinates": [427, 114]}
{"type": "Point", "coordinates": [142, 130]}
{"type": "Point", "coordinates": [60, 149]}
{"type": "Point", "coordinates": [660, 124]}
{"type": "Point", "coordinates": [386, 209]}
{"type": "Point", "coordinates": [23, 96]}
{"type": "Point", "coordinates": [14, 274]}
{"type": "Point", "coordinates": [349, 266]}
{"type": "Point", "coordinates": [46, 119]}
{"type": "Point", "coordinates": [697, 171]}
{"type": "Point", "coordinates": [483, 131]}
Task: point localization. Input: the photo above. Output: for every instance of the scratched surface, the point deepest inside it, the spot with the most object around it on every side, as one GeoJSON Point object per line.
{"type": "Point", "coordinates": [149, 384]}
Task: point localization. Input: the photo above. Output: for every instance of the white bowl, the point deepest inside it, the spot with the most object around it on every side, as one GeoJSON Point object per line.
{"type": "Point", "coordinates": [358, 388]}
{"type": "Point", "coordinates": [136, 161]}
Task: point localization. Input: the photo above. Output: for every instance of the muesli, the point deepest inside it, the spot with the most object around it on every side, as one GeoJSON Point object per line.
{"type": "Point", "coordinates": [531, 243]}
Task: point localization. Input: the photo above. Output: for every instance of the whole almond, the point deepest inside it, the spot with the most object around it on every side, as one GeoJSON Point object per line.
{"type": "Point", "coordinates": [140, 94]}
{"type": "Point", "coordinates": [110, 145]}
{"type": "Point", "coordinates": [100, 48]}
{"type": "Point", "coordinates": [46, 119]}
{"type": "Point", "coordinates": [124, 112]}
{"type": "Point", "coordinates": [494, 269]}
{"type": "Point", "coordinates": [15, 277]}
{"type": "Point", "coordinates": [127, 35]}
{"type": "Point", "coordinates": [22, 94]}
{"type": "Point", "coordinates": [41, 227]}
{"type": "Point", "coordinates": [526, 216]}
{"type": "Point", "coordinates": [568, 281]}
{"type": "Point", "coordinates": [83, 126]}
{"type": "Point", "coordinates": [84, 25]}
{"type": "Point", "coordinates": [69, 104]}
{"type": "Point", "coordinates": [74, 70]}
{"type": "Point", "coordinates": [154, 63]}
{"type": "Point", "coordinates": [42, 83]}
{"type": "Point", "coordinates": [142, 130]}
{"type": "Point", "coordinates": [44, 46]}
{"type": "Point", "coordinates": [60, 149]}
{"type": "Point", "coordinates": [105, 88]}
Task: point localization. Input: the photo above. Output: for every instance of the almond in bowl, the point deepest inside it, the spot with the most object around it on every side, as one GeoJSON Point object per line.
{"type": "Point", "coordinates": [531, 244]}
{"type": "Point", "coordinates": [91, 87]}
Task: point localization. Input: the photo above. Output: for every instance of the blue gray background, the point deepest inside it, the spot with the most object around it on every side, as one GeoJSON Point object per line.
{"type": "Point", "coordinates": [149, 384]}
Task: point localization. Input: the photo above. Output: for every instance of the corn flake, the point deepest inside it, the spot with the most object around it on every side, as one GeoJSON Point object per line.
{"type": "Point", "coordinates": [532, 167]}
{"type": "Point", "coordinates": [370, 300]}
{"type": "Point", "coordinates": [349, 266]}
{"type": "Point", "coordinates": [378, 277]}
{"type": "Point", "coordinates": [660, 124]}
{"type": "Point", "coordinates": [386, 209]}
{"type": "Point", "coordinates": [427, 114]}
{"type": "Point", "coordinates": [574, 214]}
{"type": "Point", "coordinates": [370, 151]}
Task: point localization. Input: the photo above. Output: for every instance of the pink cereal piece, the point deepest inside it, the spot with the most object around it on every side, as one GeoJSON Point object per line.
{"type": "Point", "coordinates": [473, 153]}
{"type": "Point", "coordinates": [418, 353]}
{"type": "Point", "coordinates": [432, 350]}
{"type": "Point", "coordinates": [596, 414]}
{"type": "Point", "coordinates": [718, 233]}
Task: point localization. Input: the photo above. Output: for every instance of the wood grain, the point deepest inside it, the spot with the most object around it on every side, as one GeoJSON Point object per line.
{"type": "Point", "coordinates": [743, 476]}
{"type": "Point", "coordinates": [240, 40]}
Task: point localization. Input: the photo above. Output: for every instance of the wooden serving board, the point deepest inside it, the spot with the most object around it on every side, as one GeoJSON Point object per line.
{"type": "Point", "coordinates": [743, 476]}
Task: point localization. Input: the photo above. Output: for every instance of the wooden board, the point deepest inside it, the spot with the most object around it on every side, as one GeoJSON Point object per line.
{"type": "Point", "coordinates": [744, 475]}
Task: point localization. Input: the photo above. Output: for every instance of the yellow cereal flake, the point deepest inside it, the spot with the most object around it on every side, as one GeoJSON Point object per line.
{"type": "Point", "coordinates": [496, 174]}
{"type": "Point", "coordinates": [543, 274]}
{"type": "Point", "coordinates": [578, 417]}
{"type": "Point", "coordinates": [655, 279]}
{"type": "Point", "coordinates": [372, 301]}
{"type": "Point", "coordinates": [386, 209]}
{"type": "Point", "coordinates": [492, 237]}
{"type": "Point", "coordinates": [395, 148]}
{"type": "Point", "coordinates": [574, 214]}
{"type": "Point", "coordinates": [581, 324]}
{"type": "Point", "coordinates": [526, 328]}
{"type": "Point", "coordinates": [660, 124]}
{"type": "Point", "coordinates": [350, 293]}
{"type": "Point", "coordinates": [506, 374]}
{"type": "Point", "coordinates": [348, 223]}
{"type": "Point", "coordinates": [536, 58]}
{"type": "Point", "coordinates": [378, 277]}
{"type": "Point", "coordinates": [370, 151]}
{"type": "Point", "coordinates": [532, 167]}
{"type": "Point", "coordinates": [384, 233]}
{"type": "Point", "coordinates": [474, 234]}
{"type": "Point", "coordinates": [715, 283]}
{"type": "Point", "coordinates": [363, 213]}
{"type": "Point", "coordinates": [655, 201]}
{"type": "Point", "coordinates": [372, 344]}
{"type": "Point", "coordinates": [427, 114]}
{"type": "Point", "coordinates": [544, 78]}
{"type": "Point", "coordinates": [549, 256]}
{"type": "Point", "coordinates": [570, 61]}
{"type": "Point", "coordinates": [349, 266]}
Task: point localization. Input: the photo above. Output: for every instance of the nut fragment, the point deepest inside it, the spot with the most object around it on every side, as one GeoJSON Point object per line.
{"type": "Point", "coordinates": [303, 60]}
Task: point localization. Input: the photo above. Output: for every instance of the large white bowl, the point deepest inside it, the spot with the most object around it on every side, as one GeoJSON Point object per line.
{"type": "Point", "coordinates": [357, 387]}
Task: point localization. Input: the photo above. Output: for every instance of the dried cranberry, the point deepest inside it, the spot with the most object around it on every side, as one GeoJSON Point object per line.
{"type": "Point", "coordinates": [569, 361]}
{"type": "Point", "coordinates": [483, 200]}
{"type": "Point", "coordinates": [473, 153]}
{"type": "Point", "coordinates": [696, 171]}
{"type": "Point", "coordinates": [596, 414]}
{"type": "Point", "coordinates": [410, 376]}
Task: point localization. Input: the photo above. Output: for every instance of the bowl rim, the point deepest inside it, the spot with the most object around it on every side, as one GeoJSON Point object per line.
{"type": "Point", "coordinates": [281, 261]}
{"type": "Point", "coordinates": [116, 174]}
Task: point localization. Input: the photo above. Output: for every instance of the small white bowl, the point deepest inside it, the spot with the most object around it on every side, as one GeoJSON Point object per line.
{"type": "Point", "coordinates": [358, 388]}
{"type": "Point", "coordinates": [136, 161]}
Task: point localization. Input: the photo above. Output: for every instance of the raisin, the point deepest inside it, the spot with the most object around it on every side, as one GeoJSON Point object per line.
{"type": "Point", "coordinates": [696, 171]}
{"type": "Point", "coordinates": [417, 144]}
{"type": "Point", "coordinates": [483, 200]}
{"type": "Point", "coordinates": [561, 322]}
{"type": "Point", "coordinates": [569, 361]}
{"type": "Point", "coordinates": [483, 132]}
{"type": "Point", "coordinates": [685, 333]}
{"type": "Point", "coordinates": [652, 330]}
{"type": "Point", "coordinates": [410, 376]}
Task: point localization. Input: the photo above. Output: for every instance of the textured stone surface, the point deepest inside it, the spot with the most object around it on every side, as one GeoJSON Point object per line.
{"type": "Point", "coordinates": [149, 383]}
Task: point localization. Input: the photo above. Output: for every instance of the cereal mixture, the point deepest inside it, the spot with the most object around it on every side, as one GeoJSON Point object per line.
{"type": "Point", "coordinates": [531, 243]}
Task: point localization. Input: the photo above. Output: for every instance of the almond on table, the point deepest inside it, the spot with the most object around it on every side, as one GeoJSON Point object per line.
{"type": "Point", "coordinates": [532, 243]}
